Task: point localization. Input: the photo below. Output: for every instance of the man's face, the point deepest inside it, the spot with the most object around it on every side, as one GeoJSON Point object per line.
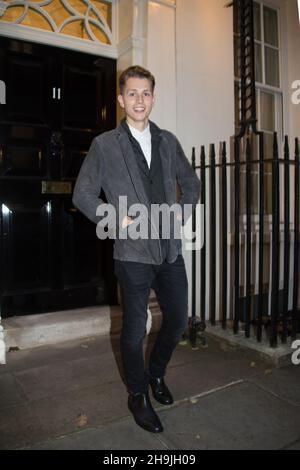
{"type": "Point", "coordinates": [137, 100]}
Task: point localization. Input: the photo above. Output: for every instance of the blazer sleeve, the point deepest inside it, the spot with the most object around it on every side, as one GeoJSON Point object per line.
{"type": "Point", "coordinates": [188, 181]}
{"type": "Point", "coordinates": [89, 182]}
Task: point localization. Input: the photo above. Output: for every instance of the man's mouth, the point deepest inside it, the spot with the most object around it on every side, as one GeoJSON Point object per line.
{"type": "Point", "coordinates": [139, 110]}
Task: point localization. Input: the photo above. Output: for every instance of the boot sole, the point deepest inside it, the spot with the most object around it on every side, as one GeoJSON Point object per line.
{"type": "Point", "coordinates": [162, 402]}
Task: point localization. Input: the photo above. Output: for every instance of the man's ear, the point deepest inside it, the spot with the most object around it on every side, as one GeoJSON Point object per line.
{"type": "Point", "coordinates": [121, 101]}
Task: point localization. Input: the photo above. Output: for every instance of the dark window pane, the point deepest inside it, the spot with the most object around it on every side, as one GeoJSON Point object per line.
{"type": "Point", "coordinates": [268, 143]}
{"type": "Point", "coordinates": [256, 17]}
{"type": "Point", "coordinates": [236, 21]}
{"type": "Point", "coordinates": [258, 63]}
{"type": "Point", "coordinates": [267, 111]}
{"type": "Point", "coordinates": [237, 57]}
{"type": "Point", "coordinates": [272, 66]}
{"type": "Point", "coordinates": [237, 116]}
{"type": "Point", "coordinates": [270, 26]}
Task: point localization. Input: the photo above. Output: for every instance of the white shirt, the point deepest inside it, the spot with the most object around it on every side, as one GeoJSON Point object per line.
{"type": "Point", "coordinates": [144, 139]}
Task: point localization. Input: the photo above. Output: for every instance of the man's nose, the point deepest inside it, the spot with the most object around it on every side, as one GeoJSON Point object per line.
{"type": "Point", "coordinates": [140, 98]}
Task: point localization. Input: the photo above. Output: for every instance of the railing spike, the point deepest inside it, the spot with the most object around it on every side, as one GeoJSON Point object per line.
{"type": "Point", "coordinates": [297, 147]}
{"type": "Point", "coordinates": [224, 150]}
{"type": "Point", "coordinates": [212, 151]}
{"type": "Point", "coordinates": [275, 145]}
{"type": "Point", "coordinates": [202, 153]}
{"type": "Point", "coordinates": [286, 142]}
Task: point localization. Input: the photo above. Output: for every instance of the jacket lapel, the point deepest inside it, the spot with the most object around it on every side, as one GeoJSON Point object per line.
{"type": "Point", "coordinates": [165, 156]}
{"type": "Point", "coordinates": [132, 167]}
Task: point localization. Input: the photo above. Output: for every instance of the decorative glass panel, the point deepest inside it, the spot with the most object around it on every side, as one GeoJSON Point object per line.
{"type": "Point", "coordinates": [84, 19]}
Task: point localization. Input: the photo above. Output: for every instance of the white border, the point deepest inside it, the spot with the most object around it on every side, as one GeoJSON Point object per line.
{"type": "Point", "coordinates": [166, 3]}
{"type": "Point", "coordinates": [129, 44]}
{"type": "Point", "coordinates": [50, 38]}
{"type": "Point", "coordinates": [62, 40]}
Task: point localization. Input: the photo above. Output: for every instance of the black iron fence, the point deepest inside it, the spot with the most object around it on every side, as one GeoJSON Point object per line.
{"type": "Point", "coordinates": [246, 276]}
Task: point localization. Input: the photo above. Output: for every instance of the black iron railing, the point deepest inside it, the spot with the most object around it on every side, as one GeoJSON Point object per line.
{"type": "Point", "coordinates": [249, 250]}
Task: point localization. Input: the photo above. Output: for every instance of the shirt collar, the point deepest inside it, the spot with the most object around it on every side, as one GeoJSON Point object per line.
{"type": "Point", "coordinates": [138, 135]}
{"type": "Point", "coordinates": [155, 131]}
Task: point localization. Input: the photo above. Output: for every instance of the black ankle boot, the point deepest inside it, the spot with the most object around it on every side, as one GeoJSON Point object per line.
{"type": "Point", "coordinates": [160, 391]}
{"type": "Point", "coordinates": [140, 406]}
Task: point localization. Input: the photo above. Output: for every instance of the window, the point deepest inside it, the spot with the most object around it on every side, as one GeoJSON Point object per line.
{"type": "Point", "coordinates": [267, 78]}
{"type": "Point", "coordinates": [85, 20]}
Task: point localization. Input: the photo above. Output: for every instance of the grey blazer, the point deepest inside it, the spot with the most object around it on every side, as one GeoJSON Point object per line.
{"type": "Point", "coordinates": [111, 165]}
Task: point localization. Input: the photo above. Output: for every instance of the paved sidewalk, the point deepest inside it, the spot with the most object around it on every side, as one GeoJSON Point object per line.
{"type": "Point", "coordinates": [71, 396]}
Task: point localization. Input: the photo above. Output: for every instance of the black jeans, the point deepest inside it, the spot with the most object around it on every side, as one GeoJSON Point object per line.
{"type": "Point", "coordinates": [169, 282]}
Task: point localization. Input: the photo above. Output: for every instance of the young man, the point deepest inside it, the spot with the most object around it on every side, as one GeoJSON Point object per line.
{"type": "Point", "coordinates": [143, 163]}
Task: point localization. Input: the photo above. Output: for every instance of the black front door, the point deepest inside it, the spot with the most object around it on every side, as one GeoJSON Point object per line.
{"type": "Point", "coordinates": [56, 102]}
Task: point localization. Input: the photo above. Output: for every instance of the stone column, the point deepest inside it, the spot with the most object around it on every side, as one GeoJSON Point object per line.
{"type": "Point", "coordinates": [131, 35]}
{"type": "Point", "coordinates": [131, 32]}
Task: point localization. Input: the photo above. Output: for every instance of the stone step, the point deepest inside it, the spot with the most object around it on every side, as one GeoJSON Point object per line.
{"type": "Point", "coordinates": [29, 331]}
